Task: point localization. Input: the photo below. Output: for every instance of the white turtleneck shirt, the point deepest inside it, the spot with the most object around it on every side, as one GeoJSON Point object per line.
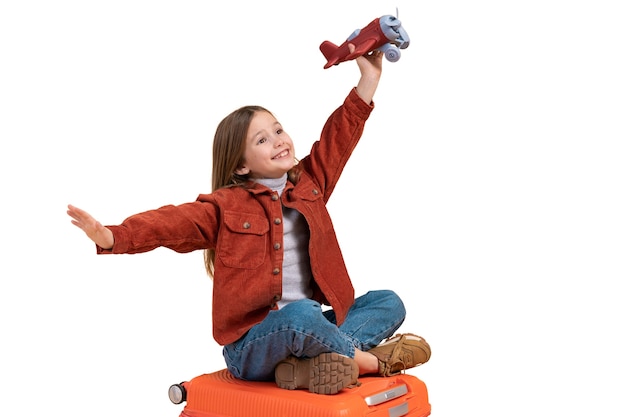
{"type": "Point", "coordinates": [296, 263]}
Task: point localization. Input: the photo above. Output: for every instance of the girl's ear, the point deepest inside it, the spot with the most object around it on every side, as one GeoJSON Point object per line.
{"type": "Point", "coordinates": [242, 170]}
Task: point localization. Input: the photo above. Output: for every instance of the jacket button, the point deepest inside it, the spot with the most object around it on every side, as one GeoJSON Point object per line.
{"type": "Point", "coordinates": [276, 245]}
{"type": "Point", "coordinates": [276, 271]}
{"type": "Point", "coordinates": [315, 192]}
{"type": "Point", "coordinates": [274, 197]}
{"type": "Point", "coordinates": [246, 225]}
{"type": "Point", "coordinates": [277, 297]}
{"type": "Point", "coordinates": [277, 221]}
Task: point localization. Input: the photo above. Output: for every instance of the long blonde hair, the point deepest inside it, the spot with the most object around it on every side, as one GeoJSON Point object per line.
{"type": "Point", "coordinates": [229, 145]}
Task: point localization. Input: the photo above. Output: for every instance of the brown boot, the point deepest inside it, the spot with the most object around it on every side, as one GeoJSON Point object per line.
{"type": "Point", "coordinates": [403, 351]}
{"type": "Point", "coordinates": [327, 373]}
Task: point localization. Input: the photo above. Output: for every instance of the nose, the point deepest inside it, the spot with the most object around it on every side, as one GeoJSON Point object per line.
{"type": "Point", "coordinates": [278, 141]}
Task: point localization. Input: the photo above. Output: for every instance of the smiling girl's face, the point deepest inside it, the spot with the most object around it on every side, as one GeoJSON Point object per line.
{"type": "Point", "coordinates": [269, 150]}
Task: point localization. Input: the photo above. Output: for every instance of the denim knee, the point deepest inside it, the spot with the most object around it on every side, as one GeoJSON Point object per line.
{"type": "Point", "coordinates": [300, 314]}
{"type": "Point", "coordinates": [388, 301]}
{"type": "Point", "coordinates": [395, 302]}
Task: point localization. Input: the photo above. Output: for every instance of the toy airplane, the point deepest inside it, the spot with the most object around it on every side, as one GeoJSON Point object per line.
{"type": "Point", "coordinates": [384, 34]}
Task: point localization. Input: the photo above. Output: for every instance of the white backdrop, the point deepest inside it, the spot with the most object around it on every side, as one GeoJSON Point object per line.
{"type": "Point", "coordinates": [488, 190]}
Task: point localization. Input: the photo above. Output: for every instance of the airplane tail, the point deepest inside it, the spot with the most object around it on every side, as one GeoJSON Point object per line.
{"type": "Point", "coordinates": [328, 49]}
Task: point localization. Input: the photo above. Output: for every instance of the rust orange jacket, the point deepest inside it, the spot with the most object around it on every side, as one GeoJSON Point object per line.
{"type": "Point", "coordinates": [244, 226]}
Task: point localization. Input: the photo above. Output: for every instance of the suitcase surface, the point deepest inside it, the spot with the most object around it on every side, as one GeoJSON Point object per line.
{"type": "Point", "coordinates": [219, 394]}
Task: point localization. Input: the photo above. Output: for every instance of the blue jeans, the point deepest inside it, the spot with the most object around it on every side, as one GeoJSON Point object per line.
{"type": "Point", "coordinates": [302, 329]}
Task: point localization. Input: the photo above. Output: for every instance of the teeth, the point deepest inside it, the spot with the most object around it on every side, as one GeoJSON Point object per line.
{"type": "Point", "coordinates": [282, 154]}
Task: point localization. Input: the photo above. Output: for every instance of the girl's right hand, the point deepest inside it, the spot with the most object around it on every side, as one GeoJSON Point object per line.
{"type": "Point", "coordinates": [370, 66]}
{"type": "Point", "coordinates": [101, 236]}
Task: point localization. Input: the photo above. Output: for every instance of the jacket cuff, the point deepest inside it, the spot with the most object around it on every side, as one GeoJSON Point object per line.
{"type": "Point", "coordinates": [355, 103]}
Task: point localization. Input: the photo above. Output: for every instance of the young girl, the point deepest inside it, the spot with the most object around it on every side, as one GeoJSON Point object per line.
{"type": "Point", "coordinates": [272, 252]}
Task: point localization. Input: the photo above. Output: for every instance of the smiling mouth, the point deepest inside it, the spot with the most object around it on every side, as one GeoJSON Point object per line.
{"type": "Point", "coordinates": [282, 154]}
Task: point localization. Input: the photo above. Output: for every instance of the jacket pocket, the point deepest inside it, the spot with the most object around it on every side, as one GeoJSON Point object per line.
{"type": "Point", "coordinates": [243, 240]}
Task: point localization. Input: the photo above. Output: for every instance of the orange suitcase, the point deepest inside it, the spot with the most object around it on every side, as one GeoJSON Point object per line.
{"type": "Point", "coordinates": [219, 394]}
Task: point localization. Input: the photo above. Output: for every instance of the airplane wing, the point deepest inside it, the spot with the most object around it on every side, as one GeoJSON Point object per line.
{"type": "Point", "coordinates": [363, 47]}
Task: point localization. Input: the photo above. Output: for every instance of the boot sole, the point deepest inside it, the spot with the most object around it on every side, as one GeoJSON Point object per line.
{"type": "Point", "coordinates": [327, 373]}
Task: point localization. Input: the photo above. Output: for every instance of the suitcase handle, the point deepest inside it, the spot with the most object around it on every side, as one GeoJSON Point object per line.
{"type": "Point", "coordinates": [388, 395]}
{"type": "Point", "coordinates": [399, 410]}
